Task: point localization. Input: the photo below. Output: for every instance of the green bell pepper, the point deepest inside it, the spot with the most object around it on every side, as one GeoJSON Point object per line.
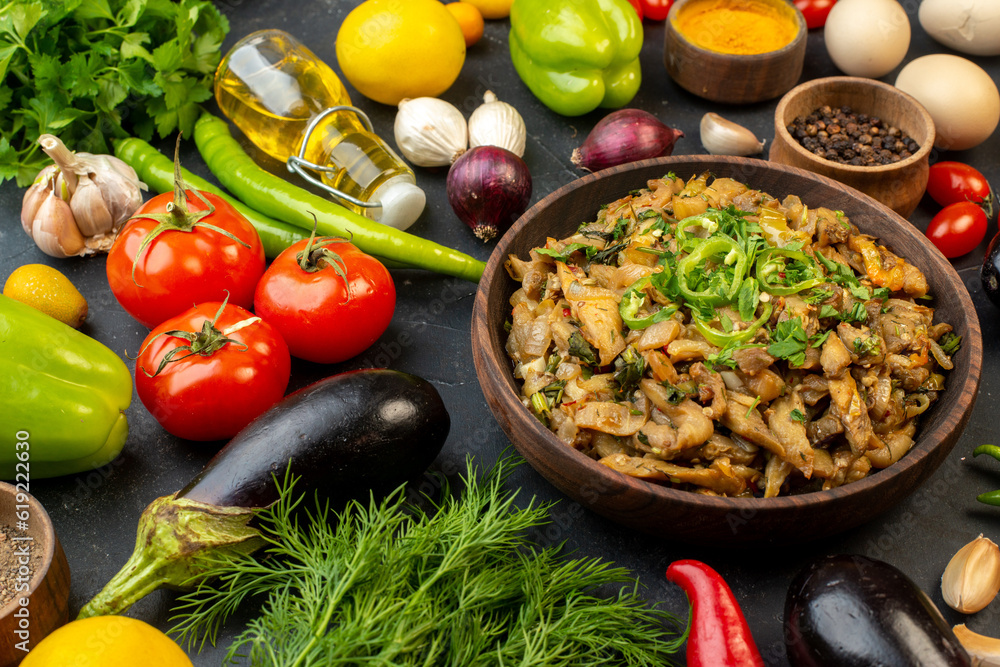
{"type": "Point", "coordinates": [576, 55]}
{"type": "Point", "coordinates": [63, 397]}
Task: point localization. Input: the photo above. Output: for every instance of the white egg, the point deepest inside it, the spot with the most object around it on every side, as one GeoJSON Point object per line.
{"type": "Point", "coordinates": [969, 26]}
{"type": "Point", "coordinates": [959, 95]}
{"type": "Point", "coordinates": [867, 37]}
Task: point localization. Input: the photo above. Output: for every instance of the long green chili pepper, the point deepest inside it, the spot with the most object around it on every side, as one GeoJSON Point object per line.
{"type": "Point", "coordinates": [714, 246]}
{"type": "Point", "coordinates": [632, 300]}
{"type": "Point", "coordinates": [774, 260]}
{"type": "Point", "coordinates": [276, 197]}
{"type": "Point", "coordinates": [990, 497]}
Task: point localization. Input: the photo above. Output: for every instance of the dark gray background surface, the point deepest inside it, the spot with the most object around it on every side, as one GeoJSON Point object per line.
{"type": "Point", "coordinates": [95, 514]}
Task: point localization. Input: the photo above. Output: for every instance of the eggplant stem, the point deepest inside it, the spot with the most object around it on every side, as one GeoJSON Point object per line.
{"type": "Point", "coordinates": [179, 542]}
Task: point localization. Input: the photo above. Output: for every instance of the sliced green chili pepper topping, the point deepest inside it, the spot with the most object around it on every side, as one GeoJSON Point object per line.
{"type": "Point", "coordinates": [781, 271]}
{"type": "Point", "coordinates": [633, 299]}
{"type": "Point", "coordinates": [734, 337]}
{"type": "Point", "coordinates": [720, 286]}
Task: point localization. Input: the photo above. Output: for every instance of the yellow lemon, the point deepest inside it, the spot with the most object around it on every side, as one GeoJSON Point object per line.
{"type": "Point", "coordinates": [106, 641]}
{"type": "Point", "coordinates": [492, 9]}
{"type": "Point", "coordinates": [46, 289]}
{"type": "Point", "coordinates": [393, 49]}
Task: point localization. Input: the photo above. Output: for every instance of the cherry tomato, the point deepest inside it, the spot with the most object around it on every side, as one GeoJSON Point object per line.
{"type": "Point", "coordinates": [329, 300]}
{"type": "Point", "coordinates": [206, 373]}
{"type": "Point", "coordinates": [656, 10]}
{"type": "Point", "coordinates": [637, 5]}
{"type": "Point", "coordinates": [815, 11]}
{"type": "Point", "coordinates": [179, 268]}
{"type": "Point", "coordinates": [957, 228]}
{"type": "Point", "coordinates": [953, 182]}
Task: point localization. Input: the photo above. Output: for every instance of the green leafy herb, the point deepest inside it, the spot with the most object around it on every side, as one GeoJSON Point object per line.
{"type": "Point", "coordinates": [675, 395]}
{"type": "Point", "coordinates": [789, 341]}
{"type": "Point", "coordinates": [748, 298]}
{"type": "Point", "coordinates": [455, 581]}
{"type": "Point", "coordinates": [817, 295]}
{"type": "Point", "coordinates": [92, 70]}
{"type": "Point", "coordinates": [721, 359]}
{"type": "Point", "coordinates": [798, 415]}
{"type": "Point", "coordinates": [553, 363]}
{"type": "Point", "coordinates": [567, 251]}
{"type": "Point", "coordinates": [609, 255]}
{"type": "Point", "coordinates": [864, 345]}
{"type": "Point", "coordinates": [581, 349]}
{"type": "Point", "coordinates": [629, 367]}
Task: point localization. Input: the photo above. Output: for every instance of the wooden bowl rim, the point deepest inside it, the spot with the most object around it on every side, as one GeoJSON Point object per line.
{"type": "Point", "coordinates": [781, 129]}
{"type": "Point", "coordinates": [787, 50]}
{"type": "Point", "coordinates": [38, 514]}
{"type": "Point", "coordinates": [490, 370]}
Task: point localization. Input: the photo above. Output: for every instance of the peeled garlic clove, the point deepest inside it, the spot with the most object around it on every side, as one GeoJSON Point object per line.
{"type": "Point", "coordinates": [54, 229]}
{"type": "Point", "coordinates": [497, 123]}
{"type": "Point", "coordinates": [972, 578]}
{"type": "Point", "coordinates": [724, 137]}
{"type": "Point", "coordinates": [984, 651]}
{"type": "Point", "coordinates": [430, 132]}
{"type": "Point", "coordinates": [91, 213]}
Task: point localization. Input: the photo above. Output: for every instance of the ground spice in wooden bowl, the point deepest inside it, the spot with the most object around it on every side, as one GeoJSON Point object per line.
{"type": "Point", "coordinates": [739, 27]}
{"type": "Point", "coordinates": [841, 135]}
{"type": "Point", "coordinates": [14, 580]}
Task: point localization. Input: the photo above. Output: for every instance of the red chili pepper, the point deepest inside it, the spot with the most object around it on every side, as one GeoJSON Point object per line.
{"type": "Point", "coordinates": [719, 636]}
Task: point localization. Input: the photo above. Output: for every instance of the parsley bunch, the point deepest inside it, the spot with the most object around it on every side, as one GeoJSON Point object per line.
{"type": "Point", "coordinates": [92, 70]}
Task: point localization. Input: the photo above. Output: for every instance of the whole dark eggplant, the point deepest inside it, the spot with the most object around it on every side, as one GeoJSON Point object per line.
{"type": "Point", "coordinates": [854, 611]}
{"type": "Point", "coordinates": [346, 435]}
{"type": "Point", "coordinates": [989, 274]}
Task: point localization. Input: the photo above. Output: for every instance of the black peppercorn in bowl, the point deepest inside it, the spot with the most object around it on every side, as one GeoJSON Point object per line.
{"type": "Point", "coordinates": [887, 134]}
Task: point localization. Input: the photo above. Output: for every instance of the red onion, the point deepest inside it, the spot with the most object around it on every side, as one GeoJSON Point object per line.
{"type": "Point", "coordinates": [489, 188]}
{"type": "Point", "coordinates": [624, 136]}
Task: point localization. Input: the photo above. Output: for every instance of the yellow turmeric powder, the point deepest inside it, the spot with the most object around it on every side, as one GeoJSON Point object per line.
{"type": "Point", "coordinates": [740, 27]}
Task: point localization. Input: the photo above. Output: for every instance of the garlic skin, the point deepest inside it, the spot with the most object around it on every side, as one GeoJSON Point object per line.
{"type": "Point", "coordinates": [496, 123]}
{"type": "Point", "coordinates": [984, 651]}
{"type": "Point", "coordinates": [724, 137]}
{"type": "Point", "coordinates": [76, 206]}
{"type": "Point", "coordinates": [430, 132]}
{"type": "Point", "coordinates": [972, 578]}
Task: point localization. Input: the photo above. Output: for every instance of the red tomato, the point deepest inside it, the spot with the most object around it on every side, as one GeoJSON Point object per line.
{"type": "Point", "coordinates": [637, 6]}
{"type": "Point", "coordinates": [656, 10]}
{"type": "Point", "coordinates": [957, 228]}
{"type": "Point", "coordinates": [953, 182]}
{"type": "Point", "coordinates": [181, 268]}
{"type": "Point", "coordinates": [213, 394]}
{"type": "Point", "coordinates": [815, 11]}
{"type": "Point", "coordinates": [323, 316]}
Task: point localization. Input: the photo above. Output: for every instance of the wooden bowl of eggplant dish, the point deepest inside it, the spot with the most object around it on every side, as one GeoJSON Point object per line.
{"type": "Point", "coordinates": [725, 350]}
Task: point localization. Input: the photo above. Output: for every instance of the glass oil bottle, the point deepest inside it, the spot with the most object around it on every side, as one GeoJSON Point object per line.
{"type": "Point", "coordinates": [293, 107]}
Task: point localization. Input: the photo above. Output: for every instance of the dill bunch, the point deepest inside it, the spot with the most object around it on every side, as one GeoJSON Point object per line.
{"type": "Point", "coordinates": [456, 582]}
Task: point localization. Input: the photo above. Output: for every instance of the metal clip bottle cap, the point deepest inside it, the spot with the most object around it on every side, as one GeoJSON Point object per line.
{"type": "Point", "coordinates": [400, 201]}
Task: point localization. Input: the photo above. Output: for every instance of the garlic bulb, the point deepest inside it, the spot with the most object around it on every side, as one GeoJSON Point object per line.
{"type": "Point", "coordinates": [430, 132]}
{"type": "Point", "coordinates": [77, 205]}
{"type": "Point", "coordinates": [972, 578]}
{"type": "Point", "coordinates": [497, 123]}
{"type": "Point", "coordinates": [724, 137]}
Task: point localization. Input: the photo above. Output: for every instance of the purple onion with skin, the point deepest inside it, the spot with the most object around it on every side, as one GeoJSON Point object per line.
{"type": "Point", "coordinates": [624, 136]}
{"type": "Point", "coordinates": [489, 188]}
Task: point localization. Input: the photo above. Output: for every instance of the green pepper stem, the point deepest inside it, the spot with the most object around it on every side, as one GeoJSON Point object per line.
{"type": "Point", "coordinates": [179, 542]}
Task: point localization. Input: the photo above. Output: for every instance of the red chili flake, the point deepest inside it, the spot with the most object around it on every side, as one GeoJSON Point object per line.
{"type": "Point", "coordinates": [567, 312]}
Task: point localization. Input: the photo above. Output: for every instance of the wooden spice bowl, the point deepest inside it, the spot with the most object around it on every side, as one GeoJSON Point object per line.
{"type": "Point", "coordinates": [47, 595]}
{"type": "Point", "coordinates": [900, 185]}
{"type": "Point", "coordinates": [729, 78]}
{"type": "Point", "coordinates": [682, 515]}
